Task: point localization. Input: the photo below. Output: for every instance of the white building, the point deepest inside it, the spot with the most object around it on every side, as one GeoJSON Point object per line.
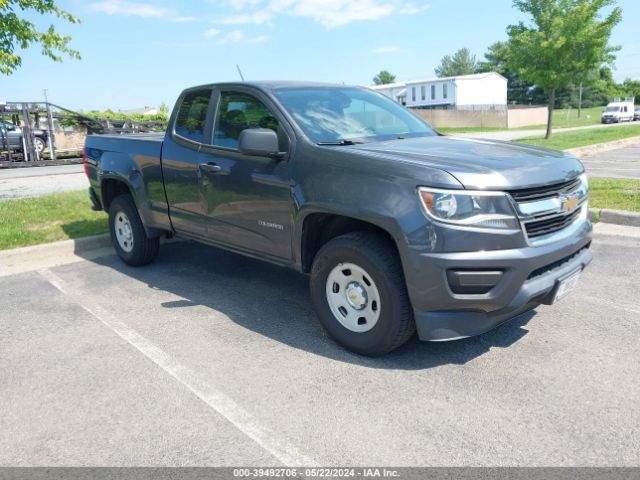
{"type": "Point", "coordinates": [144, 111]}
{"type": "Point", "coordinates": [481, 90]}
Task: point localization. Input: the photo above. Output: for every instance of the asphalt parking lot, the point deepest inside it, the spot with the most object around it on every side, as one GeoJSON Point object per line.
{"type": "Point", "coordinates": [618, 163]}
{"type": "Point", "coordinates": [209, 358]}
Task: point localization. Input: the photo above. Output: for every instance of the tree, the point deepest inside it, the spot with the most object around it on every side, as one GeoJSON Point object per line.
{"type": "Point", "coordinates": [631, 88]}
{"type": "Point", "coordinates": [461, 63]}
{"type": "Point", "coordinates": [18, 33]}
{"type": "Point", "coordinates": [518, 90]}
{"type": "Point", "coordinates": [384, 77]}
{"type": "Point", "coordinates": [566, 40]}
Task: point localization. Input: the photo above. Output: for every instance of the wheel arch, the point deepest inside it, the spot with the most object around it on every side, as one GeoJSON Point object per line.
{"type": "Point", "coordinates": [112, 186]}
{"type": "Point", "coordinates": [317, 228]}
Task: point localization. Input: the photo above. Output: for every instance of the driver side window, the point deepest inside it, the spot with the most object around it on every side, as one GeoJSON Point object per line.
{"type": "Point", "coordinates": [237, 112]}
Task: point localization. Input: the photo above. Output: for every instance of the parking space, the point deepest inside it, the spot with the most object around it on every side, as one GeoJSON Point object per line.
{"type": "Point", "coordinates": [209, 358]}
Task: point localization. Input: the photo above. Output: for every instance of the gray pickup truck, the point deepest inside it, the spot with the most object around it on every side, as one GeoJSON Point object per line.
{"type": "Point", "coordinates": [399, 228]}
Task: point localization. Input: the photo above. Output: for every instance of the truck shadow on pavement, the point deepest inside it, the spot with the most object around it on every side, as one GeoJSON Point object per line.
{"type": "Point", "coordinates": [275, 302]}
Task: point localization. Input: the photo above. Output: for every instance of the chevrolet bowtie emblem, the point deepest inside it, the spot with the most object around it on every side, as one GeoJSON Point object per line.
{"type": "Point", "coordinates": [569, 204]}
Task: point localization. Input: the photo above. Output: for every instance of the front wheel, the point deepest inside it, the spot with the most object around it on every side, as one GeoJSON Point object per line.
{"type": "Point", "coordinates": [359, 293]}
{"type": "Point", "coordinates": [39, 145]}
{"type": "Point", "coordinates": [127, 233]}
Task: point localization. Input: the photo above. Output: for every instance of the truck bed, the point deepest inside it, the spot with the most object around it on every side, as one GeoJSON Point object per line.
{"type": "Point", "coordinates": [117, 148]}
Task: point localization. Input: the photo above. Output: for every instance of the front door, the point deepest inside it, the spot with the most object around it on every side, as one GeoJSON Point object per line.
{"type": "Point", "coordinates": [248, 198]}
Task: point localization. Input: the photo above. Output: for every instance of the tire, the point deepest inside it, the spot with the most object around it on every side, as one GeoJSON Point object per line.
{"type": "Point", "coordinates": [127, 233]}
{"type": "Point", "coordinates": [39, 145]}
{"type": "Point", "coordinates": [359, 294]}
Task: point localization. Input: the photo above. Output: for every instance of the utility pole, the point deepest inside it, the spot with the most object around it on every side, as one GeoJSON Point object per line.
{"type": "Point", "coordinates": [52, 152]}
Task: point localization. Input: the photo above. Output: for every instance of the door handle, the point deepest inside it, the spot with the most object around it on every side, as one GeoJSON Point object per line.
{"type": "Point", "coordinates": [210, 167]}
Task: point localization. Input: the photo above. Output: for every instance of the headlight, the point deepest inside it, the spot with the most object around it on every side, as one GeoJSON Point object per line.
{"type": "Point", "coordinates": [584, 180]}
{"type": "Point", "coordinates": [477, 209]}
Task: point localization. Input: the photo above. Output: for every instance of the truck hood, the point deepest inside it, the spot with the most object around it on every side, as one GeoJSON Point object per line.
{"type": "Point", "coordinates": [481, 164]}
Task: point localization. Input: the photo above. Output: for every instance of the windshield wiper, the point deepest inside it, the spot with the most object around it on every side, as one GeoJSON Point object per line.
{"type": "Point", "coordinates": [341, 142]}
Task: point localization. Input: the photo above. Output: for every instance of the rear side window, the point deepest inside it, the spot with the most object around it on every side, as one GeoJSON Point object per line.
{"type": "Point", "coordinates": [193, 114]}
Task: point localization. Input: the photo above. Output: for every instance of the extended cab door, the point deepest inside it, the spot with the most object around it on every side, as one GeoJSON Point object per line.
{"type": "Point", "coordinates": [248, 198]}
{"type": "Point", "coordinates": [181, 160]}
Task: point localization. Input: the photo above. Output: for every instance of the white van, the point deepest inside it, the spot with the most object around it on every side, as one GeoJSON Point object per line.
{"type": "Point", "coordinates": [619, 111]}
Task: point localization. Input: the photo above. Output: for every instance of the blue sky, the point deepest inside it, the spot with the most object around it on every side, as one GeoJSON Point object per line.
{"type": "Point", "coordinates": [143, 52]}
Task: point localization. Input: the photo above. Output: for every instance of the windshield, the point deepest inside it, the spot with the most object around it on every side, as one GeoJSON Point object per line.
{"type": "Point", "coordinates": [612, 109]}
{"type": "Point", "coordinates": [348, 114]}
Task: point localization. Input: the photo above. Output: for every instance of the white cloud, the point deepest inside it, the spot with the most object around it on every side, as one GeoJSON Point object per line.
{"type": "Point", "coordinates": [258, 39]}
{"type": "Point", "coordinates": [234, 36]}
{"type": "Point", "coordinates": [123, 7]}
{"type": "Point", "coordinates": [256, 18]}
{"type": "Point", "coordinates": [183, 19]}
{"type": "Point", "coordinates": [335, 13]}
{"type": "Point", "coordinates": [212, 32]}
{"type": "Point", "coordinates": [386, 50]}
{"type": "Point", "coordinates": [329, 13]}
{"type": "Point", "coordinates": [412, 8]}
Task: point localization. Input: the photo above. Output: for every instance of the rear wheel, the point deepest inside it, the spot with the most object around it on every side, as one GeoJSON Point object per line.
{"type": "Point", "coordinates": [127, 233]}
{"type": "Point", "coordinates": [359, 293]}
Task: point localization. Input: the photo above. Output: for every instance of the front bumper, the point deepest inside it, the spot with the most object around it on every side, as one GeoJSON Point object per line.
{"type": "Point", "coordinates": [528, 277]}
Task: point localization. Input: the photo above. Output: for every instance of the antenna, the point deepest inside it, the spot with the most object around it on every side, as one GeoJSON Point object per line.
{"type": "Point", "coordinates": [240, 72]}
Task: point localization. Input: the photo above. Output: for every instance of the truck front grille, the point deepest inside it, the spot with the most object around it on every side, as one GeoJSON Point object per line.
{"type": "Point", "coordinates": [536, 216]}
{"type": "Point", "coordinates": [548, 191]}
{"type": "Point", "coordinates": [537, 228]}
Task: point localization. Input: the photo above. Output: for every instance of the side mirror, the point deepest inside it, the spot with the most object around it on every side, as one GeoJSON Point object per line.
{"type": "Point", "coordinates": [259, 142]}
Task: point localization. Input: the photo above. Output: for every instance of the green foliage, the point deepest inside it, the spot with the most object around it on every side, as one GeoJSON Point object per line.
{"type": "Point", "coordinates": [519, 91]}
{"type": "Point", "coordinates": [461, 63]}
{"type": "Point", "coordinates": [597, 87]}
{"type": "Point", "coordinates": [158, 121]}
{"type": "Point", "coordinates": [566, 40]}
{"type": "Point", "coordinates": [630, 88]}
{"type": "Point", "coordinates": [614, 193]}
{"type": "Point", "coordinates": [568, 117]}
{"type": "Point", "coordinates": [135, 117]}
{"type": "Point", "coordinates": [585, 137]}
{"type": "Point", "coordinates": [16, 32]}
{"type": "Point", "coordinates": [384, 77]}
{"type": "Point", "coordinates": [60, 216]}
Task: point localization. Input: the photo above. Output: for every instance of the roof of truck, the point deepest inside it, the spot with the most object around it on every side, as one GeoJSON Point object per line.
{"type": "Point", "coordinates": [274, 84]}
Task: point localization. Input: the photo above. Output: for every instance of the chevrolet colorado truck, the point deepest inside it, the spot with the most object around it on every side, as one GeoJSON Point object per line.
{"type": "Point", "coordinates": [399, 227]}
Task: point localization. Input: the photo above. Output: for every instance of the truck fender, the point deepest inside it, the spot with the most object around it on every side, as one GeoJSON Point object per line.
{"type": "Point", "coordinates": [122, 168]}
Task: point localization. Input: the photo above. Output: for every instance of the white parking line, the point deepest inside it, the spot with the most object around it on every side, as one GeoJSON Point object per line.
{"type": "Point", "coordinates": [208, 393]}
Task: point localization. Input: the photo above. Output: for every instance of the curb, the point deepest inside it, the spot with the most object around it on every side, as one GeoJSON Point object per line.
{"type": "Point", "coordinates": [75, 245]}
{"type": "Point", "coordinates": [46, 255]}
{"type": "Point", "coordinates": [589, 150]}
{"type": "Point", "coordinates": [616, 217]}
{"type": "Point", "coordinates": [36, 257]}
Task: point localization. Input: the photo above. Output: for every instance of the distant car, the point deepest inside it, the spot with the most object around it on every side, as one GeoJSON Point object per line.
{"type": "Point", "coordinates": [11, 137]}
{"type": "Point", "coordinates": [636, 115]}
